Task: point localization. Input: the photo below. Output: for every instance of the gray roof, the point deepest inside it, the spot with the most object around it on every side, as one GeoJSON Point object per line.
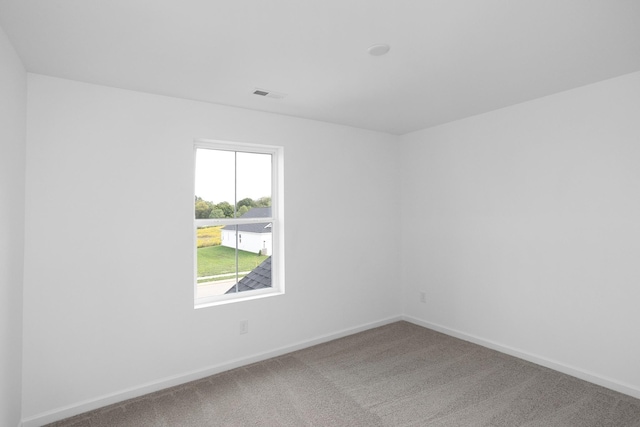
{"type": "Point", "coordinates": [258, 278]}
{"type": "Point", "coordinates": [262, 227]}
{"type": "Point", "coordinates": [257, 213]}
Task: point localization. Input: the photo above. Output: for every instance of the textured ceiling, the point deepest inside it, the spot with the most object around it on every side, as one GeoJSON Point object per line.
{"type": "Point", "coordinates": [449, 59]}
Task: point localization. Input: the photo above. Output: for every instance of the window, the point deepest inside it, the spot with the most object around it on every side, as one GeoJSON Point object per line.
{"type": "Point", "coordinates": [238, 222]}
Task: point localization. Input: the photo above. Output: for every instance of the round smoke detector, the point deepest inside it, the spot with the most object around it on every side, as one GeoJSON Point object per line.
{"type": "Point", "coordinates": [378, 49]}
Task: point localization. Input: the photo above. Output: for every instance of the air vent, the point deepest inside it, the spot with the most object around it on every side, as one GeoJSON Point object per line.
{"type": "Point", "coordinates": [269, 94]}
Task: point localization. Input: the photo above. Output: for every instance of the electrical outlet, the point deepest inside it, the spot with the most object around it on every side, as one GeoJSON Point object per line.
{"type": "Point", "coordinates": [244, 326]}
{"type": "Point", "coordinates": [423, 297]}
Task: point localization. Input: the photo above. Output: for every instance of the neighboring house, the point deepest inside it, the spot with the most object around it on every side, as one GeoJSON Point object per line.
{"type": "Point", "coordinates": [258, 278]}
{"type": "Point", "coordinates": [254, 238]}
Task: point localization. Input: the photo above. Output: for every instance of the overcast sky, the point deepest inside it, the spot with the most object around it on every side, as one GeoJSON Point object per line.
{"type": "Point", "coordinates": [215, 175]}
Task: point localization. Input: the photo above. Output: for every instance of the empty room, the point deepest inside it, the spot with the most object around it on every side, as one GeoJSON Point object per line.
{"type": "Point", "coordinates": [319, 213]}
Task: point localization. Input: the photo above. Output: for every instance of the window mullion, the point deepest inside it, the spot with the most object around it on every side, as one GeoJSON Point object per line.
{"type": "Point", "coordinates": [235, 209]}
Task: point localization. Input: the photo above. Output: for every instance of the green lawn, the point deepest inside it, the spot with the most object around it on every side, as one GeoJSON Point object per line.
{"type": "Point", "coordinates": [214, 260]}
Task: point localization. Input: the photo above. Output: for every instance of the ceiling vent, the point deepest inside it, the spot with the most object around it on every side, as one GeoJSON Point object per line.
{"type": "Point", "coordinates": [269, 94]}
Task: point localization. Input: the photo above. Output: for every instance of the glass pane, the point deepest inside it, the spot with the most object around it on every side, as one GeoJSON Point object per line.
{"type": "Point", "coordinates": [216, 260]}
{"type": "Point", "coordinates": [254, 261]}
{"type": "Point", "coordinates": [233, 258]}
{"type": "Point", "coordinates": [253, 186]}
{"type": "Point", "coordinates": [215, 183]}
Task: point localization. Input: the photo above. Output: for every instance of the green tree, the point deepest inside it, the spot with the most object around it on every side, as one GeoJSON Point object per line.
{"type": "Point", "coordinates": [243, 210]}
{"type": "Point", "coordinates": [203, 208]}
{"type": "Point", "coordinates": [263, 202]}
{"type": "Point", "coordinates": [216, 213]}
{"type": "Point", "coordinates": [248, 202]}
{"type": "Point", "coordinates": [227, 209]}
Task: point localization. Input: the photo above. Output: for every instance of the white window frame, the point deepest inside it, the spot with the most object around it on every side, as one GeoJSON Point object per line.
{"type": "Point", "coordinates": [276, 219]}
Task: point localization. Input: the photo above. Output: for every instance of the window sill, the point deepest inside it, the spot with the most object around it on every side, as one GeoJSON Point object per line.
{"type": "Point", "coordinates": [233, 298]}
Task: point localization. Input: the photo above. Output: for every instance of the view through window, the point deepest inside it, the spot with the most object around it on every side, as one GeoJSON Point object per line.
{"type": "Point", "coordinates": [235, 220]}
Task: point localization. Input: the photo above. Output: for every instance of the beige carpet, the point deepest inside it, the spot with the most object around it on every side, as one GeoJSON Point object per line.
{"type": "Point", "coordinates": [395, 375]}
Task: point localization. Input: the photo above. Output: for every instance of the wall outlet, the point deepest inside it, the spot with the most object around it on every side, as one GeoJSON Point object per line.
{"type": "Point", "coordinates": [423, 297]}
{"type": "Point", "coordinates": [244, 327]}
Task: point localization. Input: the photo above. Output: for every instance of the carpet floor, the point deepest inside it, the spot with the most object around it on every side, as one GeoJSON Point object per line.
{"type": "Point", "coordinates": [396, 375]}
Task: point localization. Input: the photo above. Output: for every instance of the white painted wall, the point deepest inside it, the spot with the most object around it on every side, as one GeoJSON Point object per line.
{"type": "Point", "coordinates": [13, 97]}
{"type": "Point", "coordinates": [109, 259]}
{"type": "Point", "coordinates": [523, 228]}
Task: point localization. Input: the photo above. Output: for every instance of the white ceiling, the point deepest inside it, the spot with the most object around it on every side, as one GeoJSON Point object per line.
{"type": "Point", "coordinates": [449, 59]}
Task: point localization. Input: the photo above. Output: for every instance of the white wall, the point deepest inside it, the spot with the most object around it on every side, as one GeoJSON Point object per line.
{"type": "Point", "coordinates": [523, 228]}
{"type": "Point", "coordinates": [108, 256]}
{"type": "Point", "coordinates": [13, 95]}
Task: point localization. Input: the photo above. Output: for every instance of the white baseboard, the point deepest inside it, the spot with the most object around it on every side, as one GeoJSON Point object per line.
{"type": "Point", "coordinates": [109, 399]}
{"type": "Point", "coordinates": [91, 404]}
{"type": "Point", "coordinates": [551, 364]}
